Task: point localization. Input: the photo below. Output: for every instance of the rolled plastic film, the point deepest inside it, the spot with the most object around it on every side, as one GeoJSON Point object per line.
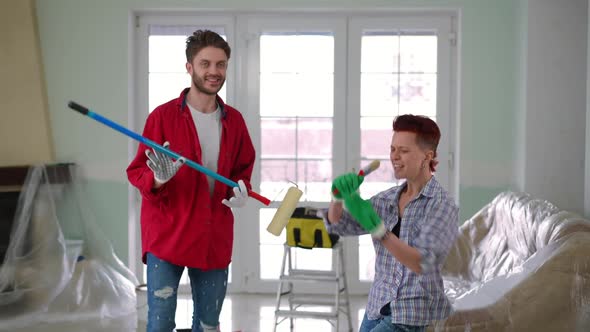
{"type": "Point", "coordinates": [284, 212]}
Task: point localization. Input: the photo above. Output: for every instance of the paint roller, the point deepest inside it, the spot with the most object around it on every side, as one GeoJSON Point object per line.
{"type": "Point", "coordinates": [85, 111]}
{"type": "Point", "coordinates": [371, 167]}
{"type": "Point", "coordinates": [285, 211]}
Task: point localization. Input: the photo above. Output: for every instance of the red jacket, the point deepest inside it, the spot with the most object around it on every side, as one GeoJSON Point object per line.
{"type": "Point", "coordinates": [180, 222]}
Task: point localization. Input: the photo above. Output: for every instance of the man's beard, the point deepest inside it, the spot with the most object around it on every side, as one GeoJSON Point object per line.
{"type": "Point", "coordinates": [199, 83]}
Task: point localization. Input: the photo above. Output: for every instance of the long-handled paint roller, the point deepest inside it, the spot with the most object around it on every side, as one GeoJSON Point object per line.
{"type": "Point", "coordinates": [85, 111]}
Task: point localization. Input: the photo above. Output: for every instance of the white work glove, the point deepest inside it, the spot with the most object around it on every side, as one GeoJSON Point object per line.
{"type": "Point", "coordinates": [164, 167]}
{"type": "Point", "coordinates": [240, 196]}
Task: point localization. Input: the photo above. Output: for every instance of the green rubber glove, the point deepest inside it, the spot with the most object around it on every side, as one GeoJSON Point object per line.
{"type": "Point", "coordinates": [365, 215]}
{"type": "Point", "coordinates": [346, 184]}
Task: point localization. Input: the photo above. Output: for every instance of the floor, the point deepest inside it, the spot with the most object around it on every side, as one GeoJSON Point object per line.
{"type": "Point", "coordinates": [243, 313]}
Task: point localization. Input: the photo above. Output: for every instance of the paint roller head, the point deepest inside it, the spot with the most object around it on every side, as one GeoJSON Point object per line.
{"type": "Point", "coordinates": [370, 168]}
{"type": "Point", "coordinates": [285, 211]}
{"type": "Point", "coordinates": [374, 165]}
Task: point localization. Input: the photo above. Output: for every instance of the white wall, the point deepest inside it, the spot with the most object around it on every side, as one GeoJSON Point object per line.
{"type": "Point", "coordinates": [521, 102]}
{"type": "Point", "coordinates": [587, 177]}
{"type": "Point", "coordinates": [555, 95]}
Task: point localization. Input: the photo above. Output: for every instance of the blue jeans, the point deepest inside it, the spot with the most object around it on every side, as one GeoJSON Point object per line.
{"type": "Point", "coordinates": [385, 325]}
{"type": "Point", "coordinates": [208, 290]}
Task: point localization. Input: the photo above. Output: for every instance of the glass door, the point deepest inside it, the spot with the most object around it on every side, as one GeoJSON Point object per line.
{"type": "Point", "coordinates": [161, 76]}
{"type": "Point", "coordinates": [399, 65]}
{"type": "Point", "coordinates": [296, 79]}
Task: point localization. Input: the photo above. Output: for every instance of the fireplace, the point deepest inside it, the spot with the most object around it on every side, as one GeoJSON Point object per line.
{"type": "Point", "coordinates": [12, 179]}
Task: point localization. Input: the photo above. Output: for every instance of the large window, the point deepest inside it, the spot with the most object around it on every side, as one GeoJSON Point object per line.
{"type": "Point", "coordinates": [319, 94]}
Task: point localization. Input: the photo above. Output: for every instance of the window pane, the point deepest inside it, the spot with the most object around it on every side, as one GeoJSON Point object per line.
{"type": "Point", "coordinates": [418, 94]}
{"type": "Point", "coordinates": [293, 80]}
{"type": "Point", "coordinates": [166, 86]}
{"type": "Point", "coordinates": [296, 94]}
{"type": "Point", "coordinates": [271, 256]}
{"type": "Point", "coordinates": [314, 137]}
{"type": "Point", "coordinates": [296, 137]}
{"type": "Point", "coordinates": [379, 53]}
{"type": "Point", "coordinates": [167, 54]}
{"type": "Point", "coordinates": [376, 133]}
{"type": "Point", "coordinates": [289, 53]}
{"type": "Point", "coordinates": [276, 94]}
{"type": "Point", "coordinates": [278, 138]}
{"type": "Point", "coordinates": [379, 94]}
{"type": "Point", "coordinates": [314, 178]}
{"type": "Point", "coordinates": [418, 54]}
{"type": "Point", "coordinates": [276, 176]}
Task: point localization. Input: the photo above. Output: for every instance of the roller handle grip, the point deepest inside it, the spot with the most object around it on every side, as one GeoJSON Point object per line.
{"type": "Point", "coordinates": [259, 197]}
{"type": "Point", "coordinates": [77, 107]}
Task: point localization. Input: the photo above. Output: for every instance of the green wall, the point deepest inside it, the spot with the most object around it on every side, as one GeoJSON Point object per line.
{"type": "Point", "coordinates": [85, 49]}
{"type": "Point", "coordinates": [109, 206]}
{"type": "Point", "coordinates": [489, 66]}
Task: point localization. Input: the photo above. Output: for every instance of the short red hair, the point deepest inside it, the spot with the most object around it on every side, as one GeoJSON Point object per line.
{"type": "Point", "coordinates": [426, 130]}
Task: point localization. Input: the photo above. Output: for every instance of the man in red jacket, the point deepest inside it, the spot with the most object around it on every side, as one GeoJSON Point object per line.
{"type": "Point", "coordinates": [186, 217]}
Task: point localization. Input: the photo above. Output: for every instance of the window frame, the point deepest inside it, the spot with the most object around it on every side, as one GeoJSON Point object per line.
{"type": "Point", "coordinates": [242, 92]}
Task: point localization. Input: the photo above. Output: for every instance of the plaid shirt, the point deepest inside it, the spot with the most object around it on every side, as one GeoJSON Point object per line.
{"type": "Point", "coordinates": [429, 224]}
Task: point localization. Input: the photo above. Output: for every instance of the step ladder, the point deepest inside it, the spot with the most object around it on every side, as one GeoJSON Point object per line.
{"type": "Point", "coordinates": [289, 276]}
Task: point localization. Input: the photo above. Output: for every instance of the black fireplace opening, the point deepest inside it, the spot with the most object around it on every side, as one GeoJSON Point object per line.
{"type": "Point", "coordinates": [8, 204]}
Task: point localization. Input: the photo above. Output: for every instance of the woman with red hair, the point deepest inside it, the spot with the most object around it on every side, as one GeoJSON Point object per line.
{"type": "Point", "coordinates": [414, 225]}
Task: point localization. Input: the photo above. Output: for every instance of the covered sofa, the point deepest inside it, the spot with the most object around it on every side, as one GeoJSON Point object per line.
{"type": "Point", "coordinates": [519, 264]}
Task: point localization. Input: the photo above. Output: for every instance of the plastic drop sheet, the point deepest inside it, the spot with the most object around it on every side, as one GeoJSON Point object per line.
{"type": "Point", "coordinates": [59, 267]}
{"type": "Point", "coordinates": [519, 264]}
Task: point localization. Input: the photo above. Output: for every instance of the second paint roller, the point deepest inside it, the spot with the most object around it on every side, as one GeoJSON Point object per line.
{"type": "Point", "coordinates": [284, 212]}
{"type": "Point", "coordinates": [366, 170]}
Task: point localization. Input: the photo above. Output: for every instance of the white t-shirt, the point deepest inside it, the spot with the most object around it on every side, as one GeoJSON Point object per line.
{"type": "Point", "coordinates": [209, 131]}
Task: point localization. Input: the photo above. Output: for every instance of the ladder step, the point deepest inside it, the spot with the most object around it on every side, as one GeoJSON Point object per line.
{"type": "Point", "coordinates": [308, 278]}
{"type": "Point", "coordinates": [317, 300]}
{"type": "Point", "coordinates": [313, 273]}
{"type": "Point", "coordinates": [306, 314]}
